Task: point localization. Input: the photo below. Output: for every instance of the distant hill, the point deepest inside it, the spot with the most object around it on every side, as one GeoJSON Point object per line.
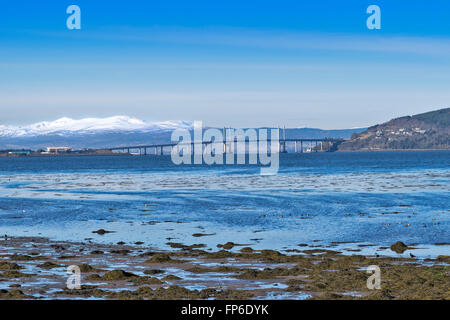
{"type": "Point", "coordinates": [313, 133]}
{"type": "Point", "coordinates": [430, 130]}
{"type": "Point", "coordinates": [110, 139]}
{"type": "Point", "coordinates": [88, 133]}
{"type": "Point", "coordinates": [117, 132]}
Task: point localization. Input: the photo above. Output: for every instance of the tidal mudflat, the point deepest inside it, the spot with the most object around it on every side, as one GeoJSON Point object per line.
{"type": "Point", "coordinates": [141, 227]}
{"type": "Point", "coordinates": [36, 268]}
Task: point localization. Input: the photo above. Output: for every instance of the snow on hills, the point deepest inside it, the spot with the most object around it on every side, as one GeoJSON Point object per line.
{"type": "Point", "coordinates": [69, 127]}
{"type": "Point", "coordinates": [115, 131]}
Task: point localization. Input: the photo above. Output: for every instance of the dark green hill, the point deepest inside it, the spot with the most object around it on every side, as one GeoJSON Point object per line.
{"type": "Point", "coordinates": [430, 130]}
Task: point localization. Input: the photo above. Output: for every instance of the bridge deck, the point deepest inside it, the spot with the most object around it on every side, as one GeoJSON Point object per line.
{"type": "Point", "coordinates": [281, 141]}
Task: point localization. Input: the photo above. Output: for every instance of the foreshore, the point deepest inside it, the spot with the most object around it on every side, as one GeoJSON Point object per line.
{"type": "Point", "coordinates": [36, 268]}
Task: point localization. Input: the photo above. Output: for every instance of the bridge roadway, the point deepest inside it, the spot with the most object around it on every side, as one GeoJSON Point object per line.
{"type": "Point", "coordinates": [227, 144]}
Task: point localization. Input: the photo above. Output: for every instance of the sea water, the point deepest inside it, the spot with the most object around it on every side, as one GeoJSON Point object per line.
{"type": "Point", "coordinates": [321, 199]}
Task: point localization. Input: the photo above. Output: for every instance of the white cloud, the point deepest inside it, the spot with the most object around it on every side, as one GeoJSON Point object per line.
{"type": "Point", "coordinates": [272, 39]}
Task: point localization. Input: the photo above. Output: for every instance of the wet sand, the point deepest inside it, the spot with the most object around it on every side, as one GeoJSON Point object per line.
{"type": "Point", "coordinates": [36, 268]}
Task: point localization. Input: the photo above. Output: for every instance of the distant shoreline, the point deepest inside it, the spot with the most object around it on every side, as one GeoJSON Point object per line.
{"type": "Point", "coordinates": [129, 154]}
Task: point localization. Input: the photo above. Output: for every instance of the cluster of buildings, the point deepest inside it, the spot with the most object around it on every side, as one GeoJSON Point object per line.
{"type": "Point", "coordinates": [27, 152]}
{"type": "Point", "coordinates": [57, 150]}
{"type": "Point", "coordinates": [400, 132]}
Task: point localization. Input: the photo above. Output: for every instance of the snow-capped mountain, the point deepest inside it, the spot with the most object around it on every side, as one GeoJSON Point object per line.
{"type": "Point", "coordinates": [69, 127]}
{"type": "Point", "coordinates": [115, 131]}
{"type": "Point", "coordinates": [88, 133]}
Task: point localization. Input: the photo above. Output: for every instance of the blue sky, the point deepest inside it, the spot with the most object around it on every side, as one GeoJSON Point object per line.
{"type": "Point", "coordinates": [240, 63]}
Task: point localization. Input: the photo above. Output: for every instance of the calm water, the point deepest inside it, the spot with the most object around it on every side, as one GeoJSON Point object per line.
{"type": "Point", "coordinates": [320, 198]}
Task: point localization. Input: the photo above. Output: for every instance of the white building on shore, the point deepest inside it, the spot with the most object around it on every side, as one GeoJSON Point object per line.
{"type": "Point", "coordinates": [56, 150]}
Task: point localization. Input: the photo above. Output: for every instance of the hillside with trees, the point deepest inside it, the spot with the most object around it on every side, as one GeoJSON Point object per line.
{"type": "Point", "coordinates": [430, 130]}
